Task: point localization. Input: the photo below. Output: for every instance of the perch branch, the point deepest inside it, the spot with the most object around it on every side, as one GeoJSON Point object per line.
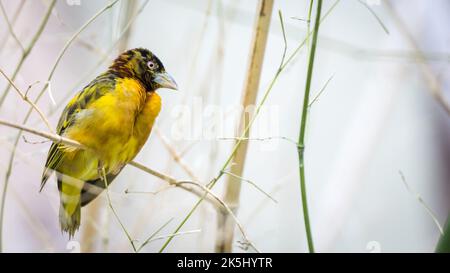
{"type": "Point", "coordinates": [170, 180]}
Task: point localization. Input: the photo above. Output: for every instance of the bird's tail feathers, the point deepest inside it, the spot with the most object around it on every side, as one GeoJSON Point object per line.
{"type": "Point", "coordinates": [69, 222]}
{"type": "Point", "coordinates": [70, 207]}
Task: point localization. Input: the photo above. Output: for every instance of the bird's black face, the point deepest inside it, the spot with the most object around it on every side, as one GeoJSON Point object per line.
{"type": "Point", "coordinates": [144, 65]}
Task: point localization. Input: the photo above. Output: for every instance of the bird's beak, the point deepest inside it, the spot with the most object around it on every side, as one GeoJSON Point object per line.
{"type": "Point", "coordinates": [165, 81]}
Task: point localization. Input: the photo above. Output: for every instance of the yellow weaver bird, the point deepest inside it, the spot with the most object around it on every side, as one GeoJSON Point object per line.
{"type": "Point", "coordinates": [113, 117]}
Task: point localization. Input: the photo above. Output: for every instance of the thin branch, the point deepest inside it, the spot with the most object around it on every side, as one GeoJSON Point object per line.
{"type": "Point", "coordinates": [27, 100]}
{"type": "Point", "coordinates": [10, 27]}
{"type": "Point", "coordinates": [375, 15]}
{"type": "Point", "coordinates": [34, 142]}
{"type": "Point", "coordinates": [253, 184]}
{"type": "Point", "coordinates": [13, 22]}
{"type": "Point", "coordinates": [171, 235]}
{"type": "Point", "coordinates": [153, 235]}
{"type": "Point", "coordinates": [228, 209]}
{"type": "Point", "coordinates": [280, 15]}
{"type": "Point", "coordinates": [105, 181]}
{"type": "Point", "coordinates": [26, 52]}
{"type": "Point", "coordinates": [175, 155]}
{"type": "Point", "coordinates": [53, 137]}
{"type": "Point", "coordinates": [321, 91]}
{"type": "Point", "coordinates": [172, 181]}
{"type": "Point", "coordinates": [300, 46]}
{"type": "Point", "coordinates": [127, 191]}
{"type": "Point", "coordinates": [30, 87]}
{"type": "Point", "coordinates": [422, 202]}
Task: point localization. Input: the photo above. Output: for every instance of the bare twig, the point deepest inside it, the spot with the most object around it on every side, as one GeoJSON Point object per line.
{"type": "Point", "coordinates": [153, 235]}
{"type": "Point", "coordinates": [251, 183]}
{"type": "Point", "coordinates": [127, 191]}
{"type": "Point", "coordinates": [34, 142]}
{"type": "Point", "coordinates": [26, 52]}
{"type": "Point", "coordinates": [13, 22]}
{"type": "Point", "coordinates": [54, 137]}
{"type": "Point", "coordinates": [169, 235]}
{"type": "Point", "coordinates": [171, 181]}
{"type": "Point", "coordinates": [27, 100]}
{"type": "Point", "coordinates": [228, 210]}
{"type": "Point", "coordinates": [321, 91]}
{"type": "Point", "coordinates": [105, 181]}
{"type": "Point", "coordinates": [175, 155]}
{"type": "Point", "coordinates": [283, 57]}
{"type": "Point", "coordinates": [10, 27]}
{"type": "Point", "coordinates": [422, 202]}
{"type": "Point", "coordinates": [374, 15]}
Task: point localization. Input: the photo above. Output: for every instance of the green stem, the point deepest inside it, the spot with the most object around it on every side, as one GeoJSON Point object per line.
{"type": "Point", "coordinates": [443, 245]}
{"type": "Point", "coordinates": [301, 138]}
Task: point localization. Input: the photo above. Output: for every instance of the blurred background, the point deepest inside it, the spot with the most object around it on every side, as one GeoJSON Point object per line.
{"type": "Point", "coordinates": [376, 136]}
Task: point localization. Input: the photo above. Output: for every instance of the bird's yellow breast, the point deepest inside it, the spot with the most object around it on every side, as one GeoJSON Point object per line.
{"type": "Point", "coordinates": [117, 124]}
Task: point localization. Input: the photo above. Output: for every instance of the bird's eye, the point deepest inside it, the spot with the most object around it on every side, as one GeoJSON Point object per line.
{"type": "Point", "coordinates": [151, 65]}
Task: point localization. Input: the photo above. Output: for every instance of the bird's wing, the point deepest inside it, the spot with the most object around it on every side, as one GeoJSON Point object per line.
{"type": "Point", "coordinates": [96, 89]}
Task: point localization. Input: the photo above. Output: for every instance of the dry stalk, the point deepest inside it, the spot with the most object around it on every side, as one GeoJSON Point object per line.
{"type": "Point", "coordinates": [224, 240]}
